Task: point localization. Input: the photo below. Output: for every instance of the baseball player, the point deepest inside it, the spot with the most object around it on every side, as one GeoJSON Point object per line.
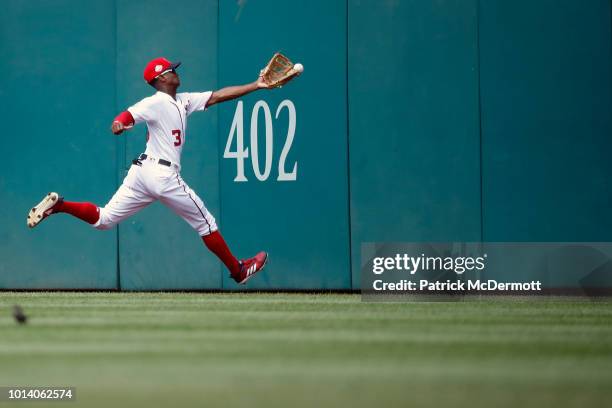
{"type": "Point", "coordinates": [155, 174]}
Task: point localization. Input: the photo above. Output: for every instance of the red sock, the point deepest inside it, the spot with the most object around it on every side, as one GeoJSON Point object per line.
{"type": "Point", "coordinates": [87, 212]}
{"type": "Point", "coordinates": [217, 245]}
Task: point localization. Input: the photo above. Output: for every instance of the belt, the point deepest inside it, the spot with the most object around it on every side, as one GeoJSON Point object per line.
{"type": "Point", "coordinates": [144, 157]}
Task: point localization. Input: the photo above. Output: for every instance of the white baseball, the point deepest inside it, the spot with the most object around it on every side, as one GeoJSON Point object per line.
{"type": "Point", "coordinates": [298, 67]}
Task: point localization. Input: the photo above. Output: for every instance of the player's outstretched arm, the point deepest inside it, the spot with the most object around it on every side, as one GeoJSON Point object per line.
{"type": "Point", "coordinates": [233, 92]}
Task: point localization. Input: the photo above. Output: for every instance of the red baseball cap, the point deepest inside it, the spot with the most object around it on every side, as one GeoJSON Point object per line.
{"type": "Point", "coordinates": [158, 66]}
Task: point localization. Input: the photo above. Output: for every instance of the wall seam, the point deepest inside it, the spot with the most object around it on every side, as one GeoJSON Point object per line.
{"type": "Point", "coordinates": [118, 142]}
{"type": "Point", "coordinates": [348, 152]}
{"type": "Point", "coordinates": [219, 142]}
{"type": "Point", "coordinates": [478, 2]}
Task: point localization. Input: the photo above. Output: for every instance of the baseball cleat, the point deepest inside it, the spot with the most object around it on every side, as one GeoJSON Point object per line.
{"type": "Point", "coordinates": [250, 267]}
{"type": "Point", "coordinates": [43, 209]}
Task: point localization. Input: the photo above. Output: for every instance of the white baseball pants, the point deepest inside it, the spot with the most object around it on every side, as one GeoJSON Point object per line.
{"type": "Point", "coordinates": [152, 181]}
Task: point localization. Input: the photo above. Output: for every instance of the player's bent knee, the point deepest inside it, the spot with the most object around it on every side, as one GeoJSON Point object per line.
{"type": "Point", "coordinates": [207, 227]}
{"type": "Point", "coordinates": [104, 222]}
{"type": "Point", "coordinates": [104, 226]}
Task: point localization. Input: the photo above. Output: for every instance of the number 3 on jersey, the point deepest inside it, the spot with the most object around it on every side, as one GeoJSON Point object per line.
{"type": "Point", "coordinates": [177, 134]}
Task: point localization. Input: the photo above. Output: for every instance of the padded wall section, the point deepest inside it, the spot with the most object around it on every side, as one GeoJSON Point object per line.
{"type": "Point", "coordinates": [58, 88]}
{"type": "Point", "coordinates": [413, 122]}
{"type": "Point", "coordinates": [302, 220]}
{"type": "Point", "coordinates": [158, 250]}
{"type": "Point", "coordinates": [546, 120]}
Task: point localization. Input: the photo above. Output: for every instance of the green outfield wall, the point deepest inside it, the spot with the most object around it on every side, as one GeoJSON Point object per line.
{"type": "Point", "coordinates": [454, 120]}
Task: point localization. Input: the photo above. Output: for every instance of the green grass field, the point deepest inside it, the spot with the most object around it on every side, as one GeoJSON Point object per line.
{"type": "Point", "coordinates": [300, 350]}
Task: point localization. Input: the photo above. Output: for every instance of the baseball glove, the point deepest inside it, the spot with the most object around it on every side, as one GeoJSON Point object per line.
{"type": "Point", "coordinates": [279, 71]}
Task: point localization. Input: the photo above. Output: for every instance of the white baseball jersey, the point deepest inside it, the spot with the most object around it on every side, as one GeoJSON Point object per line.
{"type": "Point", "coordinates": [166, 121]}
{"type": "Point", "coordinates": [149, 180]}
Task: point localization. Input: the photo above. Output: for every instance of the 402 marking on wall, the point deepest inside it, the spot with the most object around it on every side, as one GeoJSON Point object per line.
{"type": "Point", "coordinates": [242, 153]}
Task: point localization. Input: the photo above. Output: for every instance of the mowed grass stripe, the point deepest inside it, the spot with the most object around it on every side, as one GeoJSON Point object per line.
{"type": "Point", "coordinates": [300, 349]}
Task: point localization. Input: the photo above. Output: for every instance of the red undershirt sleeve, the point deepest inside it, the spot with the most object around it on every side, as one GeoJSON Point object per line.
{"type": "Point", "coordinates": [126, 118]}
